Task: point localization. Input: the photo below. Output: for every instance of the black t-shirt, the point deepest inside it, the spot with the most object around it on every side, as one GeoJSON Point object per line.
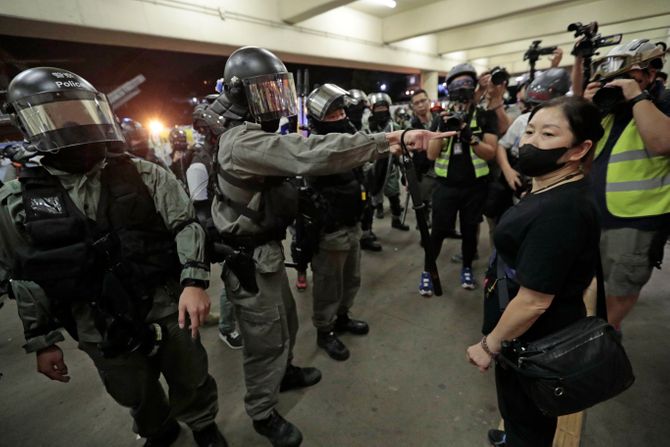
{"type": "Point", "coordinates": [421, 162]}
{"type": "Point", "coordinates": [599, 172]}
{"type": "Point", "coordinates": [551, 240]}
{"type": "Point", "coordinates": [461, 172]}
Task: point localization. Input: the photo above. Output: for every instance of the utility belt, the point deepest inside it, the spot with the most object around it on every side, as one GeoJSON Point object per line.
{"type": "Point", "coordinates": [252, 241]}
{"type": "Point", "coordinates": [237, 254]}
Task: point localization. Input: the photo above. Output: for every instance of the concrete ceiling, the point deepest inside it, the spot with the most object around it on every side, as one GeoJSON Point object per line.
{"type": "Point", "coordinates": [375, 8]}
{"type": "Point", "coordinates": [415, 36]}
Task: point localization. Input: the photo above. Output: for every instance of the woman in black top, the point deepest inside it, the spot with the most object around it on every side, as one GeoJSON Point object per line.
{"type": "Point", "coordinates": [551, 239]}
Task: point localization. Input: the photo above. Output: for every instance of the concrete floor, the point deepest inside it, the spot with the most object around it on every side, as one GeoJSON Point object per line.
{"type": "Point", "coordinates": [406, 384]}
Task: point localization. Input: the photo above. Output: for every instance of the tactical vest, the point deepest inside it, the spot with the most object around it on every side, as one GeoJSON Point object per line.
{"type": "Point", "coordinates": [637, 183]}
{"type": "Point", "coordinates": [278, 206]}
{"type": "Point", "coordinates": [345, 197]}
{"type": "Point", "coordinates": [69, 254]}
{"type": "Point", "coordinates": [442, 163]}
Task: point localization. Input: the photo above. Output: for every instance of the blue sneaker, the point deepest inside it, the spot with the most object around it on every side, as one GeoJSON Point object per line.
{"type": "Point", "coordinates": [497, 438]}
{"type": "Point", "coordinates": [426, 285]}
{"type": "Point", "coordinates": [467, 281]}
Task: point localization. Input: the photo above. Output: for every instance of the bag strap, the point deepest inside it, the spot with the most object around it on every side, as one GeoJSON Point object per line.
{"type": "Point", "coordinates": [601, 303]}
{"type": "Point", "coordinates": [501, 277]}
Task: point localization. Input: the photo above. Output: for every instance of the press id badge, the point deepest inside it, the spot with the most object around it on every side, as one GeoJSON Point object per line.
{"type": "Point", "coordinates": [458, 148]}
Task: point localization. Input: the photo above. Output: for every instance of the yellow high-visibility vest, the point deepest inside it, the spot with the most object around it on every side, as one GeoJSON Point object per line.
{"type": "Point", "coordinates": [637, 183]}
{"type": "Point", "coordinates": [442, 162]}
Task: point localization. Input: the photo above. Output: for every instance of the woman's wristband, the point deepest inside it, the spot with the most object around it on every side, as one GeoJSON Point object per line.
{"type": "Point", "coordinates": [486, 349]}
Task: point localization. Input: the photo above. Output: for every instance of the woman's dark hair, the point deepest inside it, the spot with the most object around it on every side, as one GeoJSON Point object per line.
{"type": "Point", "coordinates": [582, 115]}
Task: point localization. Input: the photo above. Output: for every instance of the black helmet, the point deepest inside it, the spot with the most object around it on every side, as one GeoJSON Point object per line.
{"type": "Point", "coordinates": [257, 80]}
{"type": "Point", "coordinates": [178, 139]}
{"type": "Point", "coordinates": [551, 84]}
{"type": "Point", "coordinates": [56, 109]}
{"type": "Point", "coordinates": [462, 69]}
{"type": "Point", "coordinates": [136, 136]}
{"type": "Point", "coordinates": [325, 99]}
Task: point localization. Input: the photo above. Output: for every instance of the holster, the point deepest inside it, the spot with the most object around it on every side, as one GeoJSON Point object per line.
{"type": "Point", "coordinates": [241, 263]}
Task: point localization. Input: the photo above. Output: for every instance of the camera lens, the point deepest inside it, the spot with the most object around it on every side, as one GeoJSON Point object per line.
{"type": "Point", "coordinates": [499, 76]}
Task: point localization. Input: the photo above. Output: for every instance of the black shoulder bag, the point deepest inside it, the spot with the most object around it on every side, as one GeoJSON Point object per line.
{"type": "Point", "coordinates": [574, 368]}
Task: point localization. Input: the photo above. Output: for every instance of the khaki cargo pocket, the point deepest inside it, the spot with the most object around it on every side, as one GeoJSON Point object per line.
{"type": "Point", "coordinates": [261, 330]}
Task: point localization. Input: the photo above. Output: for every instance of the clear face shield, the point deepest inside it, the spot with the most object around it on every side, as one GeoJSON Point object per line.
{"type": "Point", "coordinates": [271, 96]}
{"type": "Point", "coordinates": [53, 123]}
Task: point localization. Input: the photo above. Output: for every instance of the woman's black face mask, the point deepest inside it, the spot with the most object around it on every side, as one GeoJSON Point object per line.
{"type": "Point", "coordinates": [536, 162]}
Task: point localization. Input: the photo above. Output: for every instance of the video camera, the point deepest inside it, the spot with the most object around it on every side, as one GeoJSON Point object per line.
{"type": "Point", "coordinates": [588, 46]}
{"type": "Point", "coordinates": [533, 54]}
{"type": "Point", "coordinates": [535, 51]}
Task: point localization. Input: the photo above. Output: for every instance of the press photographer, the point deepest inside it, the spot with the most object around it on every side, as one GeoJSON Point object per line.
{"type": "Point", "coordinates": [490, 95]}
{"type": "Point", "coordinates": [461, 170]}
{"type": "Point", "coordinates": [631, 168]}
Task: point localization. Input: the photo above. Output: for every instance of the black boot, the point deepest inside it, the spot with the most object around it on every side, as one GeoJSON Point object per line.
{"type": "Point", "coordinates": [278, 430]}
{"type": "Point", "coordinates": [167, 436]}
{"type": "Point", "coordinates": [209, 436]}
{"type": "Point", "coordinates": [296, 377]}
{"type": "Point", "coordinates": [332, 345]}
{"type": "Point", "coordinates": [346, 324]}
{"type": "Point", "coordinates": [398, 225]}
{"type": "Point", "coordinates": [369, 243]}
{"type": "Point", "coordinates": [379, 211]}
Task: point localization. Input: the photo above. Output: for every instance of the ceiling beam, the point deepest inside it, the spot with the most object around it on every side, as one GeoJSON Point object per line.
{"type": "Point", "coordinates": [294, 11]}
{"type": "Point", "coordinates": [448, 14]}
{"type": "Point", "coordinates": [548, 20]}
{"type": "Point", "coordinates": [648, 25]}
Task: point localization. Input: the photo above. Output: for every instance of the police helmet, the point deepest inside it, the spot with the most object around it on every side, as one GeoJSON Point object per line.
{"type": "Point", "coordinates": [256, 79]}
{"type": "Point", "coordinates": [326, 98]}
{"type": "Point", "coordinates": [136, 137]}
{"type": "Point", "coordinates": [178, 140]}
{"type": "Point", "coordinates": [552, 83]}
{"type": "Point", "coordinates": [401, 113]}
{"type": "Point", "coordinates": [57, 109]}
{"type": "Point", "coordinates": [359, 97]}
{"type": "Point", "coordinates": [379, 99]}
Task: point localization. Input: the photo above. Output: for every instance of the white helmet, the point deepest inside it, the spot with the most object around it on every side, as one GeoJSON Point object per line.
{"type": "Point", "coordinates": [636, 54]}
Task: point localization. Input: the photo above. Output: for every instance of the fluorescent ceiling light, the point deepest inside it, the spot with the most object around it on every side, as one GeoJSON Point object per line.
{"type": "Point", "coordinates": [387, 3]}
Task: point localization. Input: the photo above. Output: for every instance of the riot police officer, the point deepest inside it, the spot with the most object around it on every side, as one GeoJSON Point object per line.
{"type": "Point", "coordinates": [253, 207]}
{"type": "Point", "coordinates": [89, 244]}
{"type": "Point", "coordinates": [181, 156]}
{"type": "Point", "coordinates": [336, 264]}
{"type": "Point", "coordinates": [356, 110]}
{"type": "Point", "coordinates": [137, 139]}
{"type": "Point", "coordinates": [387, 172]}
